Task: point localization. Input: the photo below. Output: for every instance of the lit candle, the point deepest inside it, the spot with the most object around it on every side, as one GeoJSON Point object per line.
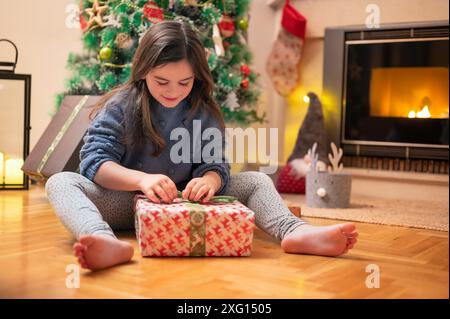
{"type": "Point", "coordinates": [2, 158]}
{"type": "Point", "coordinates": [13, 173]}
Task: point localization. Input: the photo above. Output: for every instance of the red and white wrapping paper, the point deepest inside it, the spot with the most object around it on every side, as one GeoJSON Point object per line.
{"type": "Point", "coordinates": [189, 229]}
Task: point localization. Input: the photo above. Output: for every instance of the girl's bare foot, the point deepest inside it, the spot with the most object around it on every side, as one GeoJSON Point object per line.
{"type": "Point", "coordinates": [331, 240]}
{"type": "Point", "coordinates": [101, 251]}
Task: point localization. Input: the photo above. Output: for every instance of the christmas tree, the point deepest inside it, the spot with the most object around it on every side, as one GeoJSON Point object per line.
{"type": "Point", "coordinates": [112, 29]}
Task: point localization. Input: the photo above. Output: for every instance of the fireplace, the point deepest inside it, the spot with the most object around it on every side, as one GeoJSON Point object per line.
{"type": "Point", "coordinates": [385, 94]}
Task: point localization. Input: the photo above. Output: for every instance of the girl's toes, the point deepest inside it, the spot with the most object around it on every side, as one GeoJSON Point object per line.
{"type": "Point", "coordinates": [347, 228]}
{"type": "Point", "coordinates": [79, 248]}
{"type": "Point", "coordinates": [352, 234]}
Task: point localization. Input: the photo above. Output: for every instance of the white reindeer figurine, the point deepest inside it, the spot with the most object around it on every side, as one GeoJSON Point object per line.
{"type": "Point", "coordinates": [328, 189]}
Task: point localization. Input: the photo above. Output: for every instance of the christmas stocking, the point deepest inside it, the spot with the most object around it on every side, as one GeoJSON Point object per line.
{"type": "Point", "coordinates": [284, 59]}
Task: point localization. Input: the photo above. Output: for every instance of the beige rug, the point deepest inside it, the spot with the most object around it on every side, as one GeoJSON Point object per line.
{"type": "Point", "coordinates": [417, 214]}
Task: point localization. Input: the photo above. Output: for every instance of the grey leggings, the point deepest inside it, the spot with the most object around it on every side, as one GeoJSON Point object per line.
{"type": "Point", "coordinates": [84, 207]}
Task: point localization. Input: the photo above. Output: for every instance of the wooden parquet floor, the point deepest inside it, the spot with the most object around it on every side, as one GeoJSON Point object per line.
{"type": "Point", "coordinates": [35, 250]}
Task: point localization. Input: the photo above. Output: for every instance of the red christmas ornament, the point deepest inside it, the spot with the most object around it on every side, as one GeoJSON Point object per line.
{"type": "Point", "coordinates": [226, 26]}
{"type": "Point", "coordinates": [83, 22]}
{"type": "Point", "coordinates": [226, 45]}
{"type": "Point", "coordinates": [152, 12]}
{"type": "Point", "coordinates": [245, 70]}
{"type": "Point", "coordinates": [245, 83]}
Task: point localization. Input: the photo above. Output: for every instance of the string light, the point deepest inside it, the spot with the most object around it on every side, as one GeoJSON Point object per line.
{"type": "Point", "coordinates": [306, 99]}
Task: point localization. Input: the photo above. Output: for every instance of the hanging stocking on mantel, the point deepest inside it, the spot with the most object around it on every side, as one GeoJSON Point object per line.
{"type": "Point", "coordinates": [283, 62]}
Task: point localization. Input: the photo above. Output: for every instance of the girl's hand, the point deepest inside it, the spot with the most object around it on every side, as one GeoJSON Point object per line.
{"type": "Point", "coordinates": [154, 185]}
{"type": "Point", "coordinates": [205, 186]}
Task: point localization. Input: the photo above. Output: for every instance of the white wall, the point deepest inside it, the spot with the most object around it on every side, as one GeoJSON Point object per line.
{"type": "Point", "coordinates": [38, 29]}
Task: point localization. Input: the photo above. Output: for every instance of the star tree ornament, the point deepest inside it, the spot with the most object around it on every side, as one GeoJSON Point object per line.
{"type": "Point", "coordinates": [96, 14]}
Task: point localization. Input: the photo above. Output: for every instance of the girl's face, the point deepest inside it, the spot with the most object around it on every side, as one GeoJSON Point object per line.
{"type": "Point", "coordinates": [170, 83]}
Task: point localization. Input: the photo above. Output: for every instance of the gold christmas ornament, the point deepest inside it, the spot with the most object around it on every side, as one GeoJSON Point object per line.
{"type": "Point", "coordinates": [191, 2]}
{"type": "Point", "coordinates": [96, 14]}
{"type": "Point", "coordinates": [243, 24]}
{"type": "Point", "coordinates": [105, 53]}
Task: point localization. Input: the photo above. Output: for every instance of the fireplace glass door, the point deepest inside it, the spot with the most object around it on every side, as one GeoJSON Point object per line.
{"type": "Point", "coordinates": [396, 92]}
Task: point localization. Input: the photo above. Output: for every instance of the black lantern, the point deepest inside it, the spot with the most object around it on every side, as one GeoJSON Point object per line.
{"type": "Point", "coordinates": [15, 93]}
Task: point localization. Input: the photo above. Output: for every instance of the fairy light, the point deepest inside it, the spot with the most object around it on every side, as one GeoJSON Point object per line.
{"type": "Point", "coordinates": [306, 99]}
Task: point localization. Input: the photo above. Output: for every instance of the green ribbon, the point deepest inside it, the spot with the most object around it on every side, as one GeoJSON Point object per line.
{"type": "Point", "coordinates": [214, 200]}
{"type": "Point", "coordinates": [60, 135]}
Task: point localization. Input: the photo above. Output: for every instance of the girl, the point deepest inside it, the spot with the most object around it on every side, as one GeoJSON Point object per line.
{"type": "Point", "coordinates": [127, 150]}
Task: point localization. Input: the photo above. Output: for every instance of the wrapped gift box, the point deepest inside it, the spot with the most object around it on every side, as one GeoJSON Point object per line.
{"type": "Point", "coordinates": [59, 146]}
{"type": "Point", "coordinates": [184, 228]}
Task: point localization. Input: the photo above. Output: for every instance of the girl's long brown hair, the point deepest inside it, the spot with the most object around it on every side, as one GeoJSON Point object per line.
{"type": "Point", "coordinates": [165, 42]}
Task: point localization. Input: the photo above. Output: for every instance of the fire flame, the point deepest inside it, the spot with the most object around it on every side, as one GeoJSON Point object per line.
{"type": "Point", "coordinates": [423, 114]}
